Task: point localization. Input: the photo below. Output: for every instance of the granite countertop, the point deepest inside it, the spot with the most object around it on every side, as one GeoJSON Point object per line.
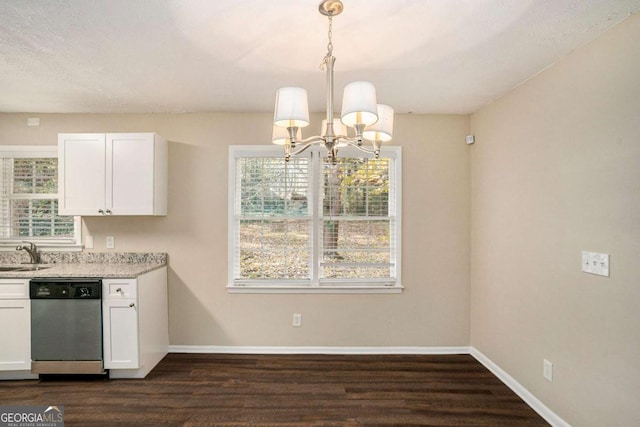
{"type": "Point", "coordinates": [94, 264]}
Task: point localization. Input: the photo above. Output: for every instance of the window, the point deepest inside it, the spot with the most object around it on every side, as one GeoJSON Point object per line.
{"type": "Point", "coordinates": [308, 225]}
{"type": "Point", "coordinates": [29, 199]}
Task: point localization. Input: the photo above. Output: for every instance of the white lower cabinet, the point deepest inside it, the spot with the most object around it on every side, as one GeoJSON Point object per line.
{"type": "Point", "coordinates": [120, 331]}
{"type": "Point", "coordinates": [15, 333]}
{"type": "Point", "coordinates": [135, 324]}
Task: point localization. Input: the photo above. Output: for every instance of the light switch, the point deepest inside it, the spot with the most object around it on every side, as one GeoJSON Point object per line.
{"type": "Point", "coordinates": [595, 263]}
{"type": "Point", "coordinates": [88, 242]}
{"type": "Point", "coordinates": [586, 261]}
{"type": "Point", "coordinates": [111, 242]}
{"type": "Point", "coordinates": [603, 260]}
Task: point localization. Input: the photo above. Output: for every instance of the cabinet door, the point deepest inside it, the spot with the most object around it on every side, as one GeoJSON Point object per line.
{"type": "Point", "coordinates": [82, 173]}
{"type": "Point", "coordinates": [130, 180]}
{"type": "Point", "coordinates": [15, 335]}
{"type": "Point", "coordinates": [120, 333]}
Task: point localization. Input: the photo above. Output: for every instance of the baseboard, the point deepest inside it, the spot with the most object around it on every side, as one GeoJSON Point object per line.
{"type": "Point", "coordinates": [315, 350]}
{"type": "Point", "coordinates": [535, 404]}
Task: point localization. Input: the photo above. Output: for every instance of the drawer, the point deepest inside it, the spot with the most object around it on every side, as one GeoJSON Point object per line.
{"type": "Point", "coordinates": [14, 289]}
{"type": "Point", "coordinates": [119, 288]}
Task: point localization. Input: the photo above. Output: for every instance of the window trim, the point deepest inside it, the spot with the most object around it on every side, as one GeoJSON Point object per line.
{"type": "Point", "coordinates": [37, 151]}
{"type": "Point", "coordinates": [276, 286]}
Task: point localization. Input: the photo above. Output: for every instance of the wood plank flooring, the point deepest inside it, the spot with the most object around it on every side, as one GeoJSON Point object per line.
{"type": "Point", "coordinates": [197, 390]}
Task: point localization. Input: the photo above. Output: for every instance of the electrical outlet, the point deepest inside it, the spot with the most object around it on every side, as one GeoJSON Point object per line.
{"type": "Point", "coordinates": [297, 320]}
{"type": "Point", "coordinates": [111, 242]}
{"type": "Point", "coordinates": [547, 370]}
{"type": "Point", "coordinates": [88, 242]}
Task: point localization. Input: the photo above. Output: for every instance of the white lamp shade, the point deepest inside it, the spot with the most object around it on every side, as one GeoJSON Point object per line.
{"type": "Point", "coordinates": [382, 130]}
{"type": "Point", "coordinates": [291, 108]}
{"type": "Point", "coordinates": [338, 128]}
{"type": "Point", "coordinates": [281, 135]}
{"type": "Point", "coordinates": [359, 104]}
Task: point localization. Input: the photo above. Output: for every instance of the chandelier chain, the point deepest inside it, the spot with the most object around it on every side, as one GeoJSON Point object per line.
{"type": "Point", "coordinates": [329, 54]}
{"type": "Point", "coordinates": [330, 34]}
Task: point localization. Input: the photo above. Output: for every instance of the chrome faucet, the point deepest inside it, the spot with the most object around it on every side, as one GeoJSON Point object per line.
{"type": "Point", "coordinates": [32, 250]}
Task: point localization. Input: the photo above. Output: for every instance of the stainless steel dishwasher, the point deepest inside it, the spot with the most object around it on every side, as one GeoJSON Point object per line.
{"type": "Point", "coordinates": [66, 326]}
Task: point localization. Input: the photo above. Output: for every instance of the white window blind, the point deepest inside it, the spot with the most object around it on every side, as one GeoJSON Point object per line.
{"type": "Point", "coordinates": [310, 223]}
{"type": "Point", "coordinates": [272, 217]}
{"type": "Point", "coordinates": [358, 220]}
{"type": "Point", "coordinates": [29, 198]}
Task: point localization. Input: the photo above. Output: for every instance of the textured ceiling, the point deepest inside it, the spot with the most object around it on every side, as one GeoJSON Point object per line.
{"type": "Point", "coordinates": [424, 56]}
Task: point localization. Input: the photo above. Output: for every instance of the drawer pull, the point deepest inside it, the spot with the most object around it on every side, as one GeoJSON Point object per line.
{"type": "Point", "coordinates": [119, 290]}
{"type": "Point", "coordinates": [132, 305]}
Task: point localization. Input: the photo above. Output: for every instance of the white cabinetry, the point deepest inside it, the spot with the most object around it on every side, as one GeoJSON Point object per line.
{"type": "Point", "coordinates": [120, 324]}
{"type": "Point", "coordinates": [15, 332]}
{"type": "Point", "coordinates": [112, 174]}
{"type": "Point", "coordinates": [135, 324]}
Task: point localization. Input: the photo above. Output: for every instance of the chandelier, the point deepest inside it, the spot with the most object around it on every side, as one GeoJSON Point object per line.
{"type": "Point", "coordinates": [369, 120]}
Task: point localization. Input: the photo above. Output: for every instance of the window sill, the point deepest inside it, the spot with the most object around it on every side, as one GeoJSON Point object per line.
{"type": "Point", "coordinates": [43, 247]}
{"type": "Point", "coordinates": [325, 289]}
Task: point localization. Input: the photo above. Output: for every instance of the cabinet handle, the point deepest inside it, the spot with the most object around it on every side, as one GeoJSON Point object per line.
{"type": "Point", "coordinates": [100, 211]}
{"type": "Point", "coordinates": [108, 212]}
{"type": "Point", "coordinates": [119, 290]}
{"type": "Point", "coordinates": [132, 305]}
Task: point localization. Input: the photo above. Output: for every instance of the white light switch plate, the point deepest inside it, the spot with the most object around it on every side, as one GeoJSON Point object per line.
{"type": "Point", "coordinates": [111, 242]}
{"type": "Point", "coordinates": [595, 263]}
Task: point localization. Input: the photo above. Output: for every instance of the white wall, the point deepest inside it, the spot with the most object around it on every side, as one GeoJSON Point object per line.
{"type": "Point", "coordinates": [556, 170]}
{"type": "Point", "coordinates": [433, 310]}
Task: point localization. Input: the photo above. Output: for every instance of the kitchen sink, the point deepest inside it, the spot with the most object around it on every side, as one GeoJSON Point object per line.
{"type": "Point", "coordinates": [34, 267]}
{"type": "Point", "coordinates": [26, 268]}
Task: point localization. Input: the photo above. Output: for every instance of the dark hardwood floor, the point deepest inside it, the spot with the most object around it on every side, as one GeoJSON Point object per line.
{"type": "Point", "coordinates": [195, 390]}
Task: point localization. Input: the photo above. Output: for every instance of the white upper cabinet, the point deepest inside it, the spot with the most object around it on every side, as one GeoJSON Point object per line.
{"type": "Point", "coordinates": [82, 173]}
{"type": "Point", "coordinates": [112, 174]}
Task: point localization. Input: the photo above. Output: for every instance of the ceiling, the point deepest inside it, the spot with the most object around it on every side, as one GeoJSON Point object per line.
{"type": "Point", "coordinates": [142, 56]}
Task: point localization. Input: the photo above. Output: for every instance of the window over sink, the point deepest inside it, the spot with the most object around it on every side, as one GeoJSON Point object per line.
{"type": "Point", "coordinates": [29, 200]}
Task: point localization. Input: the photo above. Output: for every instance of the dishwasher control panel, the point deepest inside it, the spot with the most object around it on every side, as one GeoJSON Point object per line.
{"type": "Point", "coordinates": [65, 288]}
